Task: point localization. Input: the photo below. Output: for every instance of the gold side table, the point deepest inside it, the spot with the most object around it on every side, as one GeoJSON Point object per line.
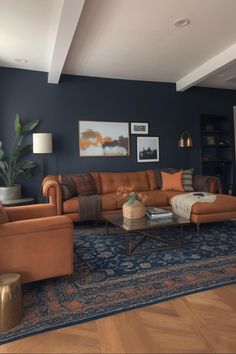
{"type": "Point", "coordinates": [11, 310]}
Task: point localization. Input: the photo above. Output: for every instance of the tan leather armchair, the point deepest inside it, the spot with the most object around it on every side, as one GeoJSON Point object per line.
{"type": "Point", "coordinates": [36, 243]}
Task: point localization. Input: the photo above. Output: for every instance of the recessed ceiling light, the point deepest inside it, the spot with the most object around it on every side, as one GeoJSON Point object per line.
{"type": "Point", "coordinates": [21, 60]}
{"type": "Point", "coordinates": [182, 22]}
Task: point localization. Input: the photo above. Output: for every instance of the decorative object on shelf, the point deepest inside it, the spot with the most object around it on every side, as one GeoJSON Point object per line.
{"type": "Point", "coordinates": [42, 144]}
{"type": "Point", "coordinates": [185, 140]}
{"type": "Point", "coordinates": [210, 140]}
{"type": "Point", "coordinates": [12, 164]}
{"type": "Point", "coordinates": [133, 207]}
{"type": "Point", "coordinates": [209, 128]}
{"type": "Point", "coordinates": [148, 149]}
{"type": "Point", "coordinates": [104, 139]}
{"type": "Point", "coordinates": [139, 128]}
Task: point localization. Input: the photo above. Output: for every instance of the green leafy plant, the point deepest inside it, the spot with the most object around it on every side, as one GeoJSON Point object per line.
{"type": "Point", "coordinates": [11, 164]}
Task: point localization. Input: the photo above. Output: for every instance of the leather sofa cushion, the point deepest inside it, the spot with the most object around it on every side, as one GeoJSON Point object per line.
{"type": "Point", "coordinates": [152, 179]}
{"type": "Point", "coordinates": [111, 181]}
{"type": "Point", "coordinates": [154, 198]}
{"type": "Point", "coordinates": [171, 194]}
{"type": "Point", "coordinates": [109, 201]}
{"type": "Point", "coordinates": [97, 181]}
{"type": "Point", "coordinates": [223, 203]}
{"type": "Point", "coordinates": [70, 205]}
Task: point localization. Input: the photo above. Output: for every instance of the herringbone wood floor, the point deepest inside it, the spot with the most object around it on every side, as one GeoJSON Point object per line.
{"type": "Point", "coordinates": [199, 323]}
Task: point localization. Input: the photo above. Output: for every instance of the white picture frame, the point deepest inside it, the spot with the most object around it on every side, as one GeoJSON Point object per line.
{"type": "Point", "coordinates": [139, 128]}
{"type": "Point", "coordinates": [148, 149]}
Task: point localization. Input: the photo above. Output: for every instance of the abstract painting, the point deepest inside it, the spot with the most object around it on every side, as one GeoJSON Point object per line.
{"type": "Point", "coordinates": [103, 139]}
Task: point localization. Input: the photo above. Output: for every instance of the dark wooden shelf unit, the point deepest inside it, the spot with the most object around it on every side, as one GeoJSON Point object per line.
{"type": "Point", "coordinates": [217, 148]}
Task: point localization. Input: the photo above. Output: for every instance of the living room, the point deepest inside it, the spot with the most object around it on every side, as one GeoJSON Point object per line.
{"type": "Point", "coordinates": [122, 61]}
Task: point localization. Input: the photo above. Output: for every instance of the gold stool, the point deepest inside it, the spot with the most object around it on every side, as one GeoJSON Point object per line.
{"type": "Point", "coordinates": [10, 301]}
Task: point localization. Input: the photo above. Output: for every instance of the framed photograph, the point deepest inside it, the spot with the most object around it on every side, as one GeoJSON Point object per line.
{"type": "Point", "coordinates": [103, 139]}
{"type": "Point", "coordinates": [139, 128]}
{"type": "Point", "coordinates": [148, 149]}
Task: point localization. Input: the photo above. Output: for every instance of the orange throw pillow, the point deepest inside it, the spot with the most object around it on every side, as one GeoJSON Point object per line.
{"type": "Point", "coordinates": [172, 181]}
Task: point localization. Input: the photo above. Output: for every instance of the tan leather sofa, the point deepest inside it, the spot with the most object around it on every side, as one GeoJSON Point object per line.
{"type": "Point", "coordinates": [36, 243]}
{"type": "Point", "coordinates": [107, 184]}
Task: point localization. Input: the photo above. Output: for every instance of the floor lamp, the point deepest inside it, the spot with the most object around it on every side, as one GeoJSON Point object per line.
{"type": "Point", "coordinates": [42, 144]}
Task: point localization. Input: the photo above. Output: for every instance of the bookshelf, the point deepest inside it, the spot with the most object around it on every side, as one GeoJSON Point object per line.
{"type": "Point", "coordinates": [217, 149]}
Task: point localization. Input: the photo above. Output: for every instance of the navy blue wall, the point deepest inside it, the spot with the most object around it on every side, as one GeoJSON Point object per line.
{"type": "Point", "coordinates": [60, 107]}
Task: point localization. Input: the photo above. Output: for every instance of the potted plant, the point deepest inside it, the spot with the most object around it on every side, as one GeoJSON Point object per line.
{"type": "Point", "coordinates": [133, 207]}
{"type": "Point", "coordinates": [12, 164]}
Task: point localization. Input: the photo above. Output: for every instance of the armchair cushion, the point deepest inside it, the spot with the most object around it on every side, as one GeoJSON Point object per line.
{"type": "Point", "coordinates": [3, 215]}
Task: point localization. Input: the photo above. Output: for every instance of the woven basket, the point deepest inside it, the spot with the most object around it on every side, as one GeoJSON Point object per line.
{"type": "Point", "coordinates": [135, 210]}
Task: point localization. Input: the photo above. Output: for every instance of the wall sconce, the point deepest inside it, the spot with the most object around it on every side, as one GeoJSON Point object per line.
{"type": "Point", "coordinates": [185, 140]}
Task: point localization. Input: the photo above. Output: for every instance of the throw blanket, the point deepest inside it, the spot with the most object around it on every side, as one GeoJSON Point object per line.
{"type": "Point", "coordinates": [182, 204]}
{"type": "Point", "coordinates": [89, 207]}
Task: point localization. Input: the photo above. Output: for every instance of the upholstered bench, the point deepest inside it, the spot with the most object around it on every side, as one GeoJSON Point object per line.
{"type": "Point", "coordinates": [222, 209]}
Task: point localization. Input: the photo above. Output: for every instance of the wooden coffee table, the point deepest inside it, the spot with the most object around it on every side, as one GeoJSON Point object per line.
{"type": "Point", "coordinates": [142, 226]}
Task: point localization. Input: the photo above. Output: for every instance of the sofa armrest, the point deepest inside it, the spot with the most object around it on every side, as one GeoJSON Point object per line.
{"type": "Point", "coordinates": [51, 188]}
{"type": "Point", "coordinates": [33, 211]}
{"type": "Point", "coordinates": [31, 226]}
{"type": "Point", "coordinates": [209, 184]}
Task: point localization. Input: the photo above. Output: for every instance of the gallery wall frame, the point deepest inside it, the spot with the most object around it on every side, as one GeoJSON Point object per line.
{"type": "Point", "coordinates": [139, 128]}
{"type": "Point", "coordinates": [103, 139]}
{"type": "Point", "coordinates": [148, 149]}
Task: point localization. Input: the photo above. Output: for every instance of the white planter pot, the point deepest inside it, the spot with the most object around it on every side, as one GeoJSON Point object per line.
{"type": "Point", "coordinates": [10, 193]}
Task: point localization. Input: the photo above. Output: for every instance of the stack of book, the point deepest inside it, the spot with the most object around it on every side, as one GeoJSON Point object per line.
{"type": "Point", "coordinates": [158, 213]}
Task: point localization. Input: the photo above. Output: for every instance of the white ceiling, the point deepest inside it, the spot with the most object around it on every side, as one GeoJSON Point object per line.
{"type": "Point", "coordinates": [127, 39]}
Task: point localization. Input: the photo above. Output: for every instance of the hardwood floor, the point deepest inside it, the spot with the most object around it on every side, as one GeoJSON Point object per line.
{"type": "Point", "coordinates": [198, 323]}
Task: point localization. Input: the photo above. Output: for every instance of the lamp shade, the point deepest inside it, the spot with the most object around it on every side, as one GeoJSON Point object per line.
{"type": "Point", "coordinates": [42, 143]}
{"type": "Point", "coordinates": [185, 140]}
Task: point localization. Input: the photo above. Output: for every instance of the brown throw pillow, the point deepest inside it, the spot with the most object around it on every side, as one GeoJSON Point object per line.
{"type": "Point", "coordinates": [67, 186]}
{"type": "Point", "coordinates": [84, 184]}
{"type": "Point", "coordinates": [3, 215]}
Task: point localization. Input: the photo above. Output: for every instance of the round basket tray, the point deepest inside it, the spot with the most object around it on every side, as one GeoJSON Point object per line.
{"type": "Point", "coordinates": [135, 210]}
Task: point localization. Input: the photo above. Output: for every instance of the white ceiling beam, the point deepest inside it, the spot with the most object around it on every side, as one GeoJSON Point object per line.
{"type": "Point", "coordinates": [220, 61]}
{"type": "Point", "coordinates": [69, 18]}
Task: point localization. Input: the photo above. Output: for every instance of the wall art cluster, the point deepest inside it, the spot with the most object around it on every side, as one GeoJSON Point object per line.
{"type": "Point", "coordinates": [106, 139]}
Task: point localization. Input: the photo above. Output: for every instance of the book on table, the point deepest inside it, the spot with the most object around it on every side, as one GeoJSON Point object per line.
{"type": "Point", "coordinates": [158, 213]}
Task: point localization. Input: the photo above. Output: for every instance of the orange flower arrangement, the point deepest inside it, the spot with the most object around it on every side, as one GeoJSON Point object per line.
{"type": "Point", "coordinates": [128, 195]}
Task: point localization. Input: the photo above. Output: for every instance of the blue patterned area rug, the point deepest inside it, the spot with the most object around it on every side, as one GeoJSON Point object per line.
{"type": "Point", "coordinates": [106, 281]}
